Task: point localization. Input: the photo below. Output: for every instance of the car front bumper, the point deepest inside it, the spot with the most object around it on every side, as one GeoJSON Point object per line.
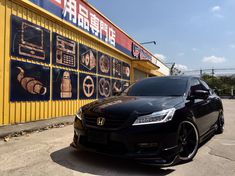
{"type": "Point", "coordinates": [150, 144]}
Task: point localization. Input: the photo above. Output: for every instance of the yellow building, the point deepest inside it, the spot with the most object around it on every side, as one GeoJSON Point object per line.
{"type": "Point", "coordinates": [57, 55]}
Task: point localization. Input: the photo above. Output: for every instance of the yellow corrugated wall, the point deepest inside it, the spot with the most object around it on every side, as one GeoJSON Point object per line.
{"type": "Point", "coordinates": [19, 112]}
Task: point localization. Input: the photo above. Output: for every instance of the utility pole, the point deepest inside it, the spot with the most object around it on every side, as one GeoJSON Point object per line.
{"type": "Point", "coordinates": [213, 72]}
{"type": "Point", "coordinates": [172, 68]}
{"type": "Point", "coordinates": [200, 72]}
{"type": "Point", "coordinates": [232, 93]}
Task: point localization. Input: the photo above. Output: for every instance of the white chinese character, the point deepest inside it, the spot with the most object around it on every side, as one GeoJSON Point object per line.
{"type": "Point", "coordinates": [112, 36]}
{"type": "Point", "coordinates": [80, 21]}
{"type": "Point", "coordinates": [83, 20]}
{"type": "Point", "coordinates": [58, 1]}
{"type": "Point", "coordinates": [94, 24]}
{"type": "Point", "coordinates": [103, 28]}
{"type": "Point", "coordinates": [70, 7]}
{"type": "Point", "coordinates": [83, 11]}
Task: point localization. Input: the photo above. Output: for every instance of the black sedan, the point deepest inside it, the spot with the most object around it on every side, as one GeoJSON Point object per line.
{"type": "Point", "coordinates": [157, 121]}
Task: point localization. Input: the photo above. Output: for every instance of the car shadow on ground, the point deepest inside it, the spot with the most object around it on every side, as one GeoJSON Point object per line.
{"type": "Point", "coordinates": [92, 163]}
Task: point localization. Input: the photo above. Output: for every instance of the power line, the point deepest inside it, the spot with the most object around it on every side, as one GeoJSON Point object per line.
{"type": "Point", "coordinates": [209, 69]}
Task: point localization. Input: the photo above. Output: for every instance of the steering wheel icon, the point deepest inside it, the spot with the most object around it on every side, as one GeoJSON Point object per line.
{"type": "Point", "coordinates": [88, 86]}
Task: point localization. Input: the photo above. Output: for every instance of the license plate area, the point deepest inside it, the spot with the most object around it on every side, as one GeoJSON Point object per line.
{"type": "Point", "coordinates": [97, 137]}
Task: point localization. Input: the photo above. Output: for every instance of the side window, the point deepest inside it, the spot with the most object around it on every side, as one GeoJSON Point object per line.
{"type": "Point", "coordinates": [195, 84]}
{"type": "Point", "coordinates": [205, 85]}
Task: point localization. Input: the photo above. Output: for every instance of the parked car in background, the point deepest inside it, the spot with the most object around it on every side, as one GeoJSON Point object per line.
{"type": "Point", "coordinates": [157, 121]}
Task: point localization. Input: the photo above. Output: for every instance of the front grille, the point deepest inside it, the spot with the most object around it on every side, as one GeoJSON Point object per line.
{"type": "Point", "coordinates": [110, 122]}
{"type": "Point", "coordinates": [110, 148]}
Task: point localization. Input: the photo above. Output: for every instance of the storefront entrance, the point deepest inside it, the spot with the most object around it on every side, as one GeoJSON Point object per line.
{"type": "Point", "coordinates": [138, 75]}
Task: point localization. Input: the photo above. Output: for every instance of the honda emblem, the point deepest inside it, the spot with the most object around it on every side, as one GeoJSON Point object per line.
{"type": "Point", "coordinates": [100, 121]}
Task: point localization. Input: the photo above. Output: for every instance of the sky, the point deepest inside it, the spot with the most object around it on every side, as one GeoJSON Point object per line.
{"type": "Point", "coordinates": [195, 34]}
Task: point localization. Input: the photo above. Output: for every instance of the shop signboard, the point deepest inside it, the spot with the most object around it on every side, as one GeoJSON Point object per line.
{"type": "Point", "coordinates": [87, 59]}
{"type": "Point", "coordinates": [29, 82]}
{"type": "Point", "coordinates": [116, 86]}
{"type": "Point", "coordinates": [29, 40]}
{"type": "Point", "coordinates": [80, 14]}
{"type": "Point", "coordinates": [87, 86]}
{"type": "Point", "coordinates": [104, 87]}
{"type": "Point", "coordinates": [64, 84]}
{"type": "Point", "coordinates": [64, 51]}
{"type": "Point", "coordinates": [104, 64]}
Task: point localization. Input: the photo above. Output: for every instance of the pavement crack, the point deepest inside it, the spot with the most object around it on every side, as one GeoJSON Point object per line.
{"type": "Point", "coordinates": [227, 139]}
{"type": "Point", "coordinates": [213, 154]}
{"type": "Point", "coordinates": [221, 157]}
{"type": "Point", "coordinates": [26, 166]}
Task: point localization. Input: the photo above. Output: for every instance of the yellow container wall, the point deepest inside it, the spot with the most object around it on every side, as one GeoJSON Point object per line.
{"type": "Point", "coordinates": [19, 112]}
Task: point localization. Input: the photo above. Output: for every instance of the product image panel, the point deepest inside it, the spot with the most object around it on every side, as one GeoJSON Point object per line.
{"type": "Point", "coordinates": [64, 51]}
{"type": "Point", "coordinates": [87, 86]}
{"type": "Point", "coordinates": [116, 87]}
{"type": "Point", "coordinates": [87, 59]}
{"type": "Point", "coordinates": [29, 82]}
{"type": "Point", "coordinates": [104, 64]}
{"type": "Point", "coordinates": [104, 87]}
{"type": "Point", "coordinates": [64, 84]}
{"type": "Point", "coordinates": [125, 85]}
{"type": "Point", "coordinates": [29, 40]}
{"type": "Point", "coordinates": [117, 68]}
{"type": "Point", "coordinates": [125, 71]}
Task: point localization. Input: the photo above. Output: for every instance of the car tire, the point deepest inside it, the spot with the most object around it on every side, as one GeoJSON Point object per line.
{"type": "Point", "coordinates": [188, 139]}
{"type": "Point", "coordinates": [220, 123]}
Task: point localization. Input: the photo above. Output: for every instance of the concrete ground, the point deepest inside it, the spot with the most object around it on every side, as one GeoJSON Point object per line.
{"type": "Point", "coordinates": [48, 153]}
{"type": "Point", "coordinates": [18, 129]}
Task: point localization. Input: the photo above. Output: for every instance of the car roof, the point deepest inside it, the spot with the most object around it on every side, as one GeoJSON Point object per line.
{"type": "Point", "coordinates": [174, 77]}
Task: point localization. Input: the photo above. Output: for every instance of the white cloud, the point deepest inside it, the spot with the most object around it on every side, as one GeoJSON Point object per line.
{"type": "Point", "coordinates": [215, 9]}
{"type": "Point", "coordinates": [181, 67]}
{"type": "Point", "coordinates": [160, 57]}
{"type": "Point", "coordinates": [216, 12]}
{"type": "Point", "coordinates": [195, 49]}
{"type": "Point", "coordinates": [232, 46]}
{"type": "Point", "coordinates": [213, 60]}
{"type": "Point", "coordinates": [181, 54]}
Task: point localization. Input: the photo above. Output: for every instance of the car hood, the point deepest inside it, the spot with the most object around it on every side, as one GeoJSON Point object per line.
{"type": "Point", "coordinates": [127, 105]}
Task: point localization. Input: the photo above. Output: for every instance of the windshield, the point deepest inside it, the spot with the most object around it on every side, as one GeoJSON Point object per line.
{"type": "Point", "coordinates": [158, 87]}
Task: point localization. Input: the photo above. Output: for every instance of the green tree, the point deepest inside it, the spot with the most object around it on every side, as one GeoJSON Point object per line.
{"type": "Point", "coordinates": [222, 84]}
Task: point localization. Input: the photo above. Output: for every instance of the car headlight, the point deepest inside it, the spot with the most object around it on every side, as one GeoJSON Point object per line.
{"type": "Point", "coordinates": [156, 117]}
{"type": "Point", "coordinates": [79, 114]}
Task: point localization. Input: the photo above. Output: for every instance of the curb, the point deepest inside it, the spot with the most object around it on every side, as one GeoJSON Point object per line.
{"type": "Point", "coordinates": [20, 129]}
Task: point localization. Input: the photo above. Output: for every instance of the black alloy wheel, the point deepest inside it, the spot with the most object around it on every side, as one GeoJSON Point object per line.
{"type": "Point", "coordinates": [188, 141]}
{"type": "Point", "coordinates": [220, 123]}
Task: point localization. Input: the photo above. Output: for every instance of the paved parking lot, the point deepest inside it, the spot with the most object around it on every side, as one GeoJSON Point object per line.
{"type": "Point", "coordinates": [47, 153]}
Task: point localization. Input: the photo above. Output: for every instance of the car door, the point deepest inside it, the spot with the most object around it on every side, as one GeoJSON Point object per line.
{"type": "Point", "coordinates": [214, 106]}
{"type": "Point", "coordinates": [201, 108]}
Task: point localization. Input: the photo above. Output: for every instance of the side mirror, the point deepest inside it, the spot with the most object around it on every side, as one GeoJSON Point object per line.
{"type": "Point", "coordinates": [200, 94]}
